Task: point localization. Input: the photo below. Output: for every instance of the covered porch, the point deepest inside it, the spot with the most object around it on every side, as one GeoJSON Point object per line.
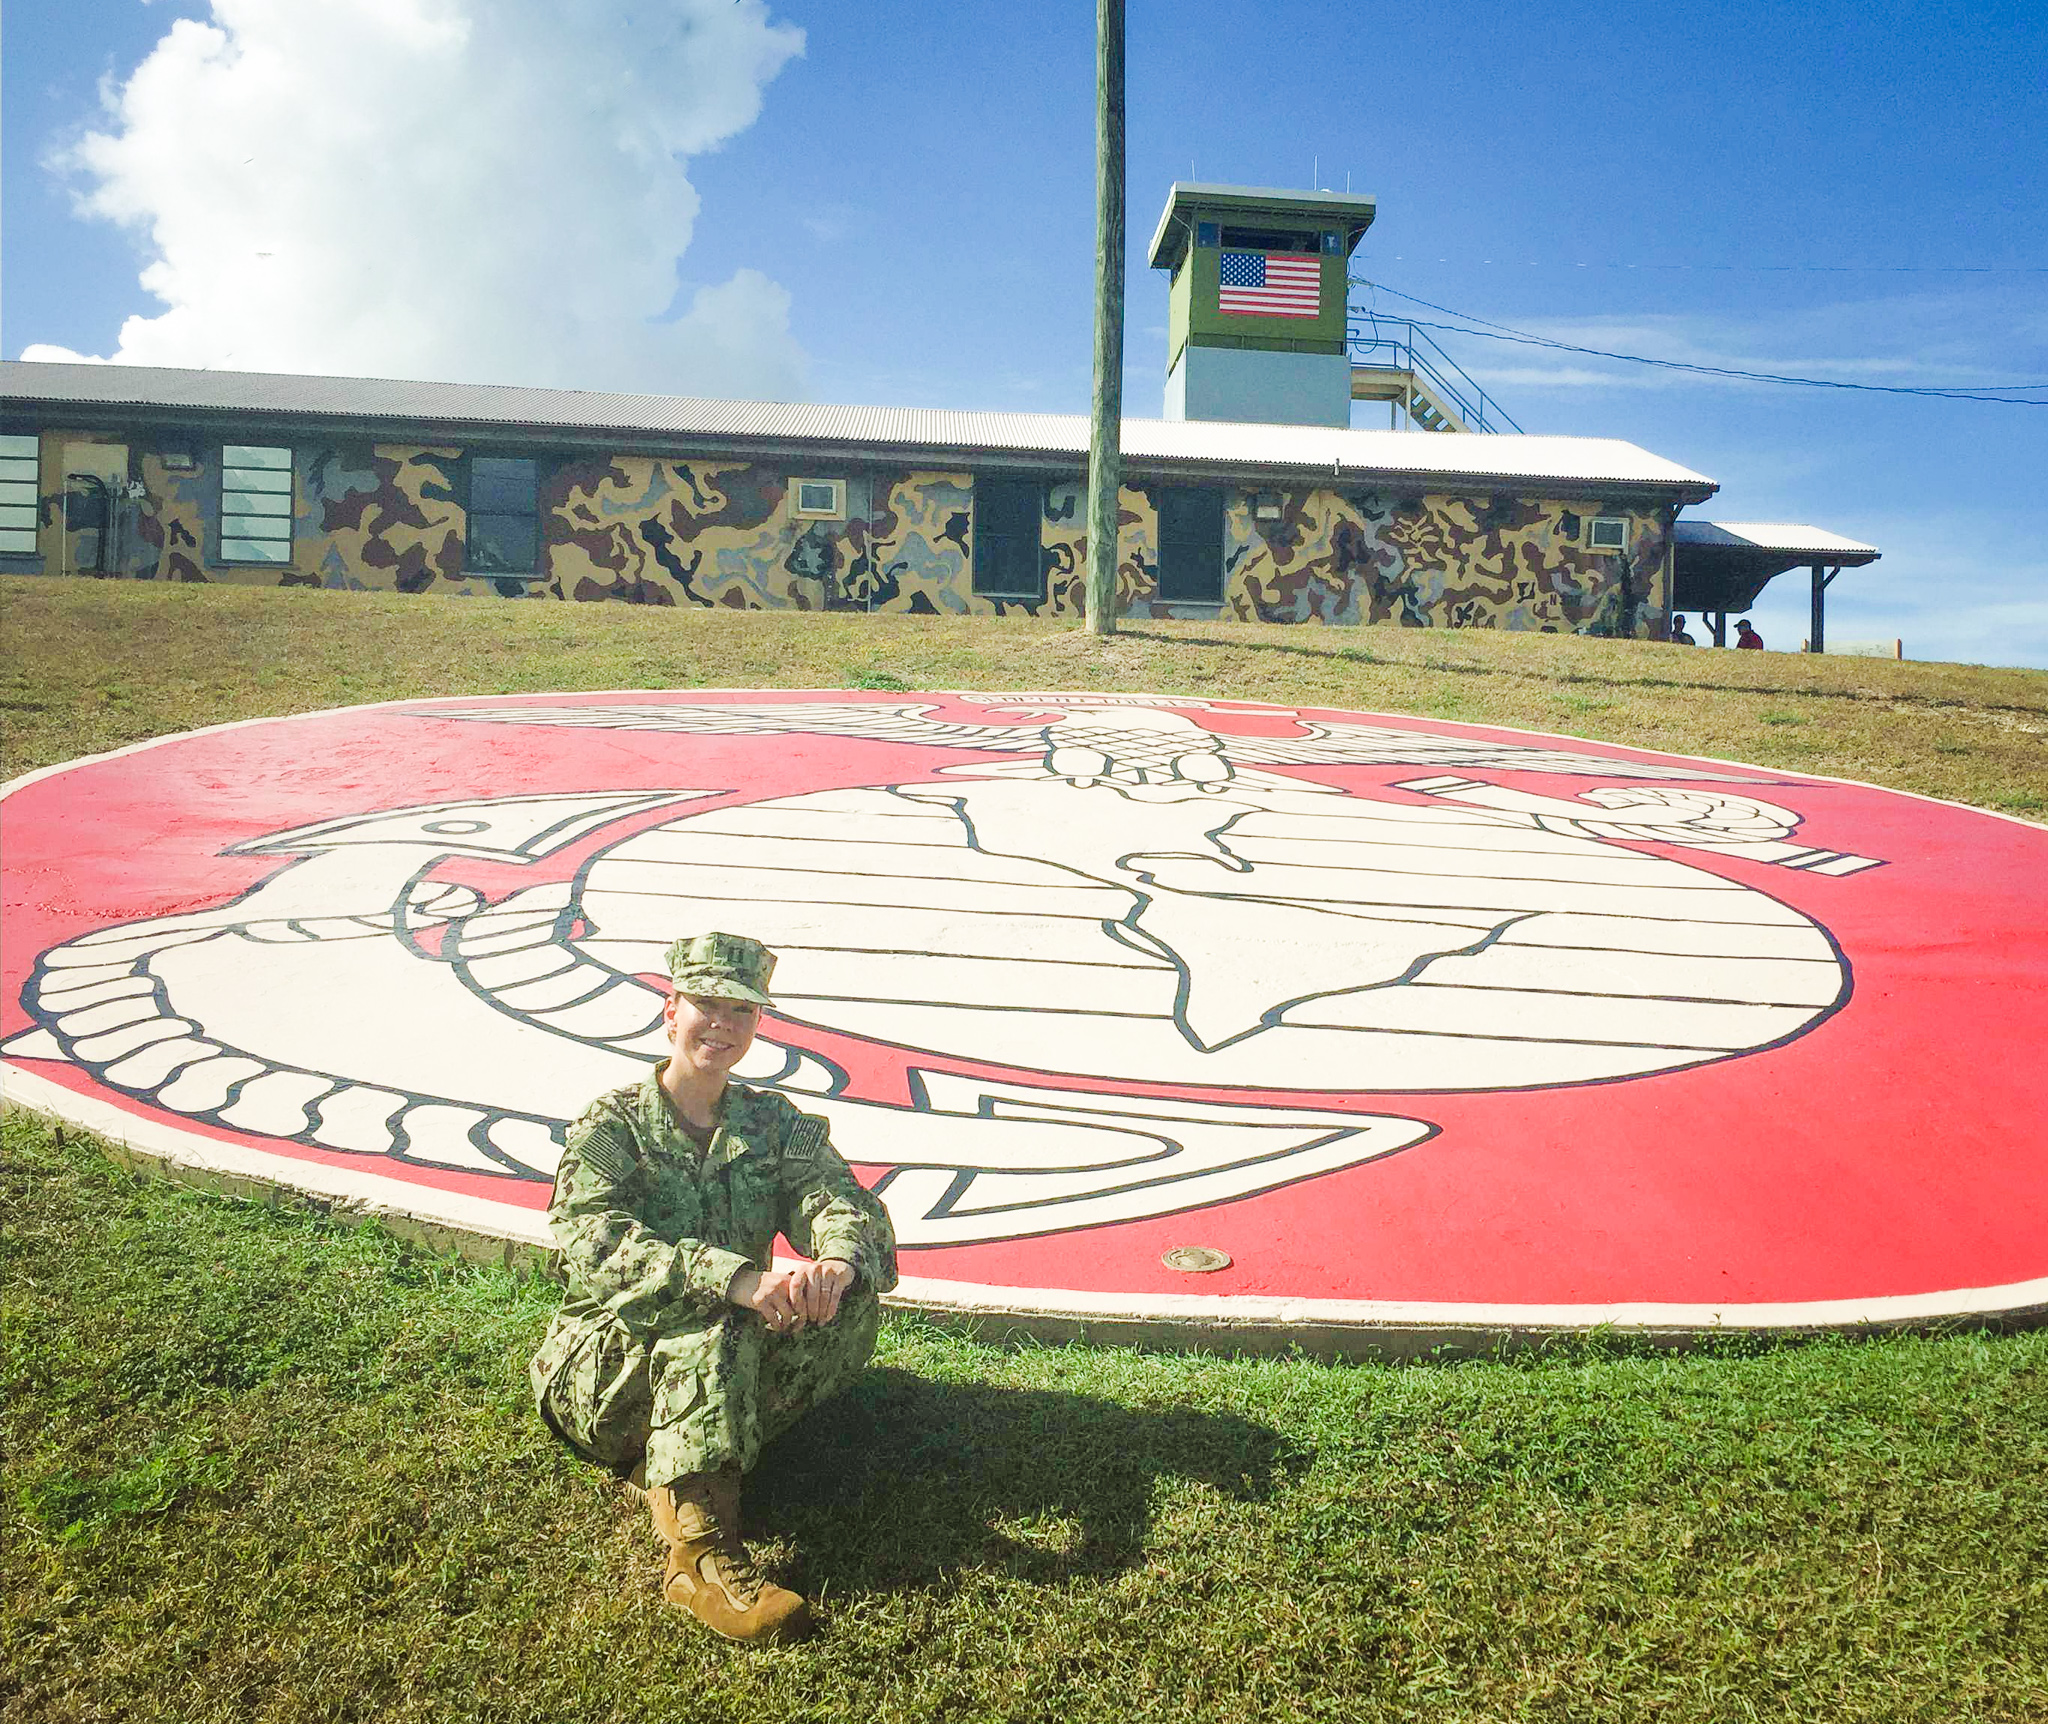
{"type": "Point", "coordinates": [1719, 568]}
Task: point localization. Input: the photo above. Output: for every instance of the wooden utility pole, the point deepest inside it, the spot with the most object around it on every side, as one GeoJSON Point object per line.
{"type": "Point", "coordinates": [1105, 455]}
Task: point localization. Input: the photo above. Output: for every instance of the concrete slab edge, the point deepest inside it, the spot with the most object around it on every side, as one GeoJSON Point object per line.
{"type": "Point", "coordinates": [507, 1236]}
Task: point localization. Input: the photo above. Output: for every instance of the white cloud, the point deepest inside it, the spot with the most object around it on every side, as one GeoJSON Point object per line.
{"type": "Point", "coordinates": [460, 190]}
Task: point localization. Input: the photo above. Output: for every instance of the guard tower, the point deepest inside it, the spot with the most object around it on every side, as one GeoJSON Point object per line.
{"type": "Point", "coordinates": [1260, 278]}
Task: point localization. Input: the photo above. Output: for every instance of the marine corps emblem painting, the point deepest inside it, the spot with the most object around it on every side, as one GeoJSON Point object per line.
{"type": "Point", "coordinates": [1051, 965]}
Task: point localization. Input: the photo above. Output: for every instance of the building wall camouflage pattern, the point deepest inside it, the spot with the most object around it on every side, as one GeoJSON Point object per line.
{"type": "Point", "coordinates": [1063, 552]}
{"type": "Point", "coordinates": [382, 518]}
{"type": "Point", "coordinates": [1433, 560]}
{"type": "Point", "coordinates": [640, 530]}
{"type": "Point", "coordinates": [920, 546]}
{"type": "Point", "coordinates": [677, 533]}
{"type": "Point", "coordinates": [173, 522]}
{"type": "Point", "coordinates": [1367, 556]}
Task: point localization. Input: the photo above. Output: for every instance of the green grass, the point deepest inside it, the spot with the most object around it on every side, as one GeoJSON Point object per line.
{"type": "Point", "coordinates": [89, 665]}
{"type": "Point", "coordinates": [255, 1464]}
{"type": "Point", "coordinates": [260, 1465]}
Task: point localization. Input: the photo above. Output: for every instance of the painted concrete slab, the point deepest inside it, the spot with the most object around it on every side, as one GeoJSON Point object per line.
{"type": "Point", "coordinates": [1428, 1033]}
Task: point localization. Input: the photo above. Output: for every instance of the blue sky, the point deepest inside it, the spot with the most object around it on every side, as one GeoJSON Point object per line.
{"type": "Point", "coordinates": [893, 203]}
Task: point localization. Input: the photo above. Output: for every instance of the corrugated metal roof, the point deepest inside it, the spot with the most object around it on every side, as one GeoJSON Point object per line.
{"type": "Point", "coordinates": [934, 433]}
{"type": "Point", "coordinates": [1786, 536]}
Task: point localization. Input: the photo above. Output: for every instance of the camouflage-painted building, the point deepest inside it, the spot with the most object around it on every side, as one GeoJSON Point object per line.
{"type": "Point", "coordinates": [511, 493]}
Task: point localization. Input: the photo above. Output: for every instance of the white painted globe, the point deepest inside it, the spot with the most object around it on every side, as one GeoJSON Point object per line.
{"type": "Point", "coordinates": [1243, 936]}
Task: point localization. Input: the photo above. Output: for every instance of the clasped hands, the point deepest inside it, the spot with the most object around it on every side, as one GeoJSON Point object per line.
{"type": "Point", "coordinates": [789, 1299]}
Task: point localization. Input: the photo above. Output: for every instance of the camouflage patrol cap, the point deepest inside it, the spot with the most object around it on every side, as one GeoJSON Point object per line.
{"type": "Point", "coordinates": [722, 966]}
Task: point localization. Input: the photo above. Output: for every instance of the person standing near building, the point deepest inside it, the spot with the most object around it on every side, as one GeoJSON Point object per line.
{"type": "Point", "coordinates": [681, 1349]}
{"type": "Point", "coordinates": [1679, 636]}
{"type": "Point", "coordinates": [1745, 636]}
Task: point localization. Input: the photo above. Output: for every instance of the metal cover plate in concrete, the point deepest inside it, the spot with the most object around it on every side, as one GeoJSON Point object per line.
{"type": "Point", "coordinates": [1432, 1031]}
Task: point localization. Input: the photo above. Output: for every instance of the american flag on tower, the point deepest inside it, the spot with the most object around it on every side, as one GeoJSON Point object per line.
{"type": "Point", "coordinates": [1255, 285]}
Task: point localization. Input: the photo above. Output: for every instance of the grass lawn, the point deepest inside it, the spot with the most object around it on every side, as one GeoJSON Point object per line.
{"type": "Point", "coordinates": [255, 1464]}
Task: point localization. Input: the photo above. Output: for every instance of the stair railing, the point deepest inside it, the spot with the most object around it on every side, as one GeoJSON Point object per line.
{"type": "Point", "coordinates": [1410, 349]}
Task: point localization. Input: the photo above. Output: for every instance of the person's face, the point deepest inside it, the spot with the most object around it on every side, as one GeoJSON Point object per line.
{"type": "Point", "coordinates": [710, 1036]}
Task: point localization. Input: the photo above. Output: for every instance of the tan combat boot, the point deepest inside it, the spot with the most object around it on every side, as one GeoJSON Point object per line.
{"type": "Point", "coordinates": [710, 1573]}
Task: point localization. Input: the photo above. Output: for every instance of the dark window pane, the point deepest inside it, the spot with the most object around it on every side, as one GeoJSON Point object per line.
{"type": "Point", "coordinates": [1191, 544]}
{"type": "Point", "coordinates": [85, 506]}
{"type": "Point", "coordinates": [1267, 239]}
{"type": "Point", "coordinates": [1007, 514]}
{"type": "Point", "coordinates": [507, 487]}
{"type": "Point", "coordinates": [503, 544]}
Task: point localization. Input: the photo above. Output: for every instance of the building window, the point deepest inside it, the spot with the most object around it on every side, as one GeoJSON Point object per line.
{"type": "Point", "coordinates": [819, 499]}
{"type": "Point", "coordinates": [504, 517]}
{"type": "Point", "coordinates": [1269, 240]}
{"type": "Point", "coordinates": [1007, 562]}
{"type": "Point", "coordinates": [1208, 234]}
{"type": "Point", "coordinates": [18, 496]}
{"type": "Point", "coordinates": [1608, 533]}
{"type": "Point", "coordinates": [255, 504]}
{"type": "Point", "coordinates": [1191, 544]}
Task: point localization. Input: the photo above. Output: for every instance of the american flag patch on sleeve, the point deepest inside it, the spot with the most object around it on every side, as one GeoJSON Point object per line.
{"type": "Point", "coordinates": [607, 1152]}
{"type": "Point", "coordinates": [806, 1139]}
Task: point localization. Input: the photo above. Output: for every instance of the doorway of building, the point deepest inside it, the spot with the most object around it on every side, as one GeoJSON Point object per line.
{"type": "Point", "coordinates": [1191, 544]}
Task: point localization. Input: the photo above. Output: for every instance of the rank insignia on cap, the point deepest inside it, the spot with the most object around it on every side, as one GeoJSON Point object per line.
{"type": "Point", "coordinates": [722, 967]}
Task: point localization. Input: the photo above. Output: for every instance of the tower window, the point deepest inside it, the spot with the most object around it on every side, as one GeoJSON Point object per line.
{"type": "Point", "coordinates": [1269, 240]}
{"type": "Point", "coordinates": [1608, 533]}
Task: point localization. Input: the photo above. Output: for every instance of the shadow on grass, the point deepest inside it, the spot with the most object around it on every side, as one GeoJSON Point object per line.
{"type": "Point", "coordinates": [904, 1481]}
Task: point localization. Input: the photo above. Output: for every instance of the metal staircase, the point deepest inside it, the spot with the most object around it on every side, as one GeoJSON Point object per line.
{"type": "Point", "coordinates": [1425, 388]}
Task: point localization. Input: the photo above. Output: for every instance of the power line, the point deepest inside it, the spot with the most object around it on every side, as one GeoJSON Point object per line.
{"type": "Point", "coordinates": [1746, 268]}
{"type": "Point", "coordinates": [1996, 393]}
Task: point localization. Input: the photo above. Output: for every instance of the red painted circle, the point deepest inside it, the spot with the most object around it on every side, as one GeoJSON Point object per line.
{"type": "Point", "coordinates": [1874, 1136]}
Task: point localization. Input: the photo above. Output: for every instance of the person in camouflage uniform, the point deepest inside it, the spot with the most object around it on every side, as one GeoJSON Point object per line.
{"type": "Point", "coordinates": [681, 1349]}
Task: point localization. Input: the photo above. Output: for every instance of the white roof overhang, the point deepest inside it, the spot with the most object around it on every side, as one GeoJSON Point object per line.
{"type": "Point", "coordinates": [1593, 467]}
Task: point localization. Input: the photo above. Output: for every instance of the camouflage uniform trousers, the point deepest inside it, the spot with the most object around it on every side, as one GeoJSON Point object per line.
{"type": "Point", "coordinates": [698, 1395]}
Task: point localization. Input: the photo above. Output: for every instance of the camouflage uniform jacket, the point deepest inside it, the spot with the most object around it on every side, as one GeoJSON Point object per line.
{"type": "Point", "coordinates": [650, 1228]}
